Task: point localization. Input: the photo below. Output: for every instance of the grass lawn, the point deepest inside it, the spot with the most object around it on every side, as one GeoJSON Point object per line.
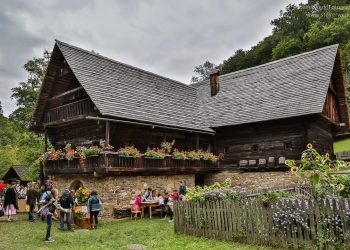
{"type": "Point", "coordinates": [154, 234]}
{"type": "Point", "coordinates": [343, 145]}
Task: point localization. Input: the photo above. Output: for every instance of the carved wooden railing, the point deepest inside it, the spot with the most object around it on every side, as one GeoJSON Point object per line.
{"type": "Point", "coordinates": [125, 164]}
{"type": "Point", "coordinates": [69, 111]}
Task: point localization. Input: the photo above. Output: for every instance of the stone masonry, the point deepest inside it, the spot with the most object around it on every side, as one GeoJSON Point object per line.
{"type": "Point", "coordinates": [255, 180]}
{"type": "Point", "coordinates": [117, 191]}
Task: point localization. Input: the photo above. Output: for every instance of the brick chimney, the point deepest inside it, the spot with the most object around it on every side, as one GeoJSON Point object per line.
{"type": "Point", "coordinates": [214, 82]}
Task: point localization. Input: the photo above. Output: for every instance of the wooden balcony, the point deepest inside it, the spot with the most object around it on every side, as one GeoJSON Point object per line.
{"type": "Point", "coordinates": [117, 165]}
{"type": "Point", "coordinates": [69, 111]}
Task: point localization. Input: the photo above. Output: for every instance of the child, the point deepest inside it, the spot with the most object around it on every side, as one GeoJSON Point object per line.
{"type": "Point", "coordinates": [137, 203]}
{"type": "Point", "coordinates": [94, 205]}
{"type": "Point", "coordinates": [175, 195]}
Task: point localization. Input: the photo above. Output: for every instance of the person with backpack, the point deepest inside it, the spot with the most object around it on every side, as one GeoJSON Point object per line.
{"type": "Point", "coordinates": [94, 205]}
{"type": "Point", "coordinates": [66, 203]}
{"type": "Point", "coordinates": [48, 209]}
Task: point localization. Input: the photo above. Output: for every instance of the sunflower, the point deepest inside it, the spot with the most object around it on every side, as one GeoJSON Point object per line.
{"type": "Point", "coordinates": [317, 158]}
{"type": "Point", "coordinates": [341, 187]}
{"type": "Point", "coordinates": [309, 146]}
{"type": "Point", "coordinates": [294, 169]}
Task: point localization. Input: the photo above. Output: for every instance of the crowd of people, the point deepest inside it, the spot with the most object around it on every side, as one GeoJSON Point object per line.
{"type": "Point", "coordinates": [164, 201]}
{"type": "Point", "coordinates": [48, 202]}
{"type": "Point", "coordinates": [52, 206]}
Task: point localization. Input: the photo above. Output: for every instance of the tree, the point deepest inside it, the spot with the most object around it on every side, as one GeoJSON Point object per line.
{"type": "Point", "coordinates": [202, 72]}
{"type": "Point", "coordinates": [26, 94]}
{"type": "Point", "coordinates": [1, 111]}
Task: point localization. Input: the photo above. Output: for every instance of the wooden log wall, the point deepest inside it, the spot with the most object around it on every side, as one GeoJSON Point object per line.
{"type": "Point", "coordinates": [320, 135]}
{"type": "Point", "coordinates": [285, 138]}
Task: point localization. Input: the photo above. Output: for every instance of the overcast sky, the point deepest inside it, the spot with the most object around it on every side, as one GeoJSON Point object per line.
{"type": "Point", "coordinates": [163, 36]}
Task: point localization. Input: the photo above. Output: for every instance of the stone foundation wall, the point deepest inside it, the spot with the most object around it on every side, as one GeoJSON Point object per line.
{"type": "Point", "coordinates": [255, 180]}
{"type": "Point", "coordinates": [116, 191]}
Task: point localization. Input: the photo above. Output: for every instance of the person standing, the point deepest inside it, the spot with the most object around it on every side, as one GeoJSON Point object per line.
{"type": "Point", "coordinates": [32, 198]}
{"type": "Point", "coordinates": [10, 201]}
{"type": "Point", "coordinates": [182, 189]}
{"type": "Point", "coordinates": [2, 188]}
{"type": "Point", "coordinates": [49, 206]}
{"type": "Point", "coordinates": [66, 202]}
{"type": "Point", "coordinates": [94, 205]}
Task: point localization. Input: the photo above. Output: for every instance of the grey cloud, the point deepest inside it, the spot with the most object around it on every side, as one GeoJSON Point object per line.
{"type": "Point", "coordinates": [167, 37]}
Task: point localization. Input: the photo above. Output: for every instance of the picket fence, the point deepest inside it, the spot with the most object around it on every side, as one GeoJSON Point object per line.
{"type": "Point", "coordinates": [296, 223]}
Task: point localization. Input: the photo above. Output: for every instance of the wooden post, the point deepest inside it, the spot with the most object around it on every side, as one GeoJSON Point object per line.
{"type": "Point", "coordinates": [107, 134]}
{"type": "Point", "coordinates": [197, 141]}
{"type": "Point", "coordinates": [42, 164]}
{"type": "Point", "coordinates": [107, 139]}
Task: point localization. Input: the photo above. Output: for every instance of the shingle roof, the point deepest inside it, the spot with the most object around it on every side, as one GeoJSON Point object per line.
{"type": "Point", "coordinates": [21, 170]}
{"type": "Point", "coordinates": [294, 86]}
{"type": "Point", "coordinates": [123, 91]}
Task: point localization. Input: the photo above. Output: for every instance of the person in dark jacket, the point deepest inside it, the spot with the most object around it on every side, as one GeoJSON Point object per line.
{"type": "Point", "coordinates": [32, 199]}
{"type": "Point", "coordinates": [10, 201]}
{"type": "Point", "coordinates": [66, 203]}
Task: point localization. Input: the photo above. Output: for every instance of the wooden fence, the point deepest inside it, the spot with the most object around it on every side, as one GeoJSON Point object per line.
{"type": "Point", "coordinates": [287, 223]}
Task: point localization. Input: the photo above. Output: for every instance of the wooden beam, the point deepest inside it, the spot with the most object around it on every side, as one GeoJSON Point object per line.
{"type": "Point", "coordinates": [197, 141]}
{"type": "Point", "coordinates": [107, 133]}
{"type": "Point", "coordinates": [65, 93]}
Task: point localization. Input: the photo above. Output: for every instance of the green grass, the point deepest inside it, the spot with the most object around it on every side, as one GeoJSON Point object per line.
{"type": "Point", "coordinates": [154, 234]}
{"type": "Point", "coordinates": [343, 145]}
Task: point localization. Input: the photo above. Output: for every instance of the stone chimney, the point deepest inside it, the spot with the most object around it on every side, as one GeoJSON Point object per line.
{"type": "Point", "coordinates": [214, 82]}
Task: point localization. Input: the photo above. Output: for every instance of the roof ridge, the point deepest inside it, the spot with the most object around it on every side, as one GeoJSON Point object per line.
{"type": "Point", "coordinates": [127, 65]}
{"type": "Point", "coordinates": [272, 62]}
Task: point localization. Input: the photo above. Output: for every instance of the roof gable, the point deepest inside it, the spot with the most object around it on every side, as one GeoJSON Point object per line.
{"type": "Point", "coordinates": [123, 91]}
{"type": "Point", "coordinates": [294, 86]}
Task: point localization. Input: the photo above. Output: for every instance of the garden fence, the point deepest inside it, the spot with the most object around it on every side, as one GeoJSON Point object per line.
{"type": "Point", "coordinates": [286, 223]}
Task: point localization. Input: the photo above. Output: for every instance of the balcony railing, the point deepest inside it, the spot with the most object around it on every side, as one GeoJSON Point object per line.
{"type": "Point", "coordinates": [113, 163]}
{"type": "Point", "coordinates": [69, 111]}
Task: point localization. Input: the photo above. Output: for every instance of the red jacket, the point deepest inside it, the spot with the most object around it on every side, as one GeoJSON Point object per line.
{"type": "Point", "coordinates": [175, 196]}
{"type": "Point", "coordinates": [2, 186]}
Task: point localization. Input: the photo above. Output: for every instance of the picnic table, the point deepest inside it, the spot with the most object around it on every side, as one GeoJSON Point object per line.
{"type": "Point", "coordinates": [150, 205]}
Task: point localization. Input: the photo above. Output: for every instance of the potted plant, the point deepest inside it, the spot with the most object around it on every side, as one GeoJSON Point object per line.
{"type": "Point", "coordinates": [167, 146]}
{"type": "Point", "coordinates": [154, 153]}
{"type": "Point", "coordinates": [130, 151]}
{"type": "Point", "coordinates": [93, 151]}
{"type": "Point", "coordinates": [179, 155]}
{"type": "Point", "coordinates": [194, 155]}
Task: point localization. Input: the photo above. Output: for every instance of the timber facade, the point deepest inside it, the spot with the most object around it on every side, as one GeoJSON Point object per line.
{"type": "Point", "coordinates": [269, 111]}
{"type": "Point", "coordinates": [255, 117]}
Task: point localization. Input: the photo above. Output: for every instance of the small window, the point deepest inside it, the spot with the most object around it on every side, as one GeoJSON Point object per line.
{"type": "Point", "coordinates": [287, 145]}
{"type": "Point", "coordinates": [255, 147]}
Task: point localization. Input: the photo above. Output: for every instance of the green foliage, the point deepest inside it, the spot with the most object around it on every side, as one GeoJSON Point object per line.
{"type": "Point", "coordinates": [202, 72]}
{"type": "Point", "coordinates": [18, 146]}
{"type": "Point", "coordinates": [300, 28]}
{"type": "Point", "coordinates": [319, 170]}
{"type": "Point", "coordinates": [26, 94]}
{"type": "Point", "coordinates": [273, 196]}
{"type": "Point", "coordinates": [155, 153]}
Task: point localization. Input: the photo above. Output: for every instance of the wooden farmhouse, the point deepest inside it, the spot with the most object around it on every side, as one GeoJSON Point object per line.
{"type": "Point", "coordinates": [255, 118]}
